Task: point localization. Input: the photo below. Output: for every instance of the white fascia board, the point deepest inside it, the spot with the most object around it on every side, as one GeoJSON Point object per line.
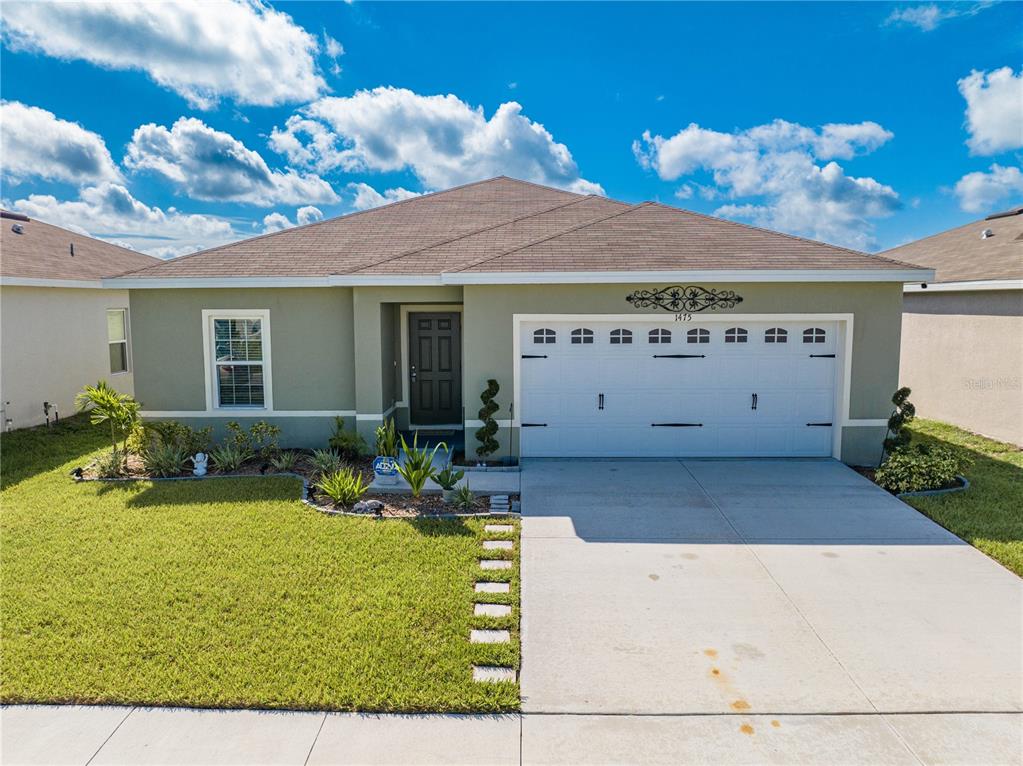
{"type": "Point", "coordinates": [637, 277]}
{"type": "Point", "coordinates": [980, 284]}
{"type": "Point", "coordinates": [386, 280]}
{"type": "Point", "coordinates": [136, 283]}
{"type": "Point", "coordinates": [88, 284]}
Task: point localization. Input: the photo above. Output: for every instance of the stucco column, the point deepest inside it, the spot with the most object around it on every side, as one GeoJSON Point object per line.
{"type": "Point", "coordinates": [369, 386]}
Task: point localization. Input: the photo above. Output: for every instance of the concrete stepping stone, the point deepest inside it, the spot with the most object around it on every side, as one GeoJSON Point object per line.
{"type": "Point", "coordinates": [495, 564]}
{"type": "Point", "coordinates": [492, 674]}
{"type": "Point", "coordinates": [489, 636]}
{"type": "Point", "coordinates": [493, 587]}
{"type": "Point", "coordinates": [498, 528]}
{"type": "Point", "coordinates": [498, 545]}
{"type": "Point", "coordinates": [491, 610]}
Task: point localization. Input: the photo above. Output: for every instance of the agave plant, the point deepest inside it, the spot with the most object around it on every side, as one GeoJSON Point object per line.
{"type": "Point", "coordinates": [417, 468]}
{"type": "Point", "coordinates": [344, 486]}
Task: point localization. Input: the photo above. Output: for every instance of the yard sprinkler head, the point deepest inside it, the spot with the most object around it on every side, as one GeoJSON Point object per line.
{"type": "Point", "coordinates": [77, 473]}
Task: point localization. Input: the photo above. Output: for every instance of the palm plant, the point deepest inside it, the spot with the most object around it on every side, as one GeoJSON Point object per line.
{"type": "Point", "coordinates": [417, 468]}
{"type": "Point", "coordinates": [107, 405]}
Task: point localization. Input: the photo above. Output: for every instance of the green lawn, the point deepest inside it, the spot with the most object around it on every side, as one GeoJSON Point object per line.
{"type": "Point", "coordinates": [230, 592]}
{"type": "Point", "coordinates": [989, 515]}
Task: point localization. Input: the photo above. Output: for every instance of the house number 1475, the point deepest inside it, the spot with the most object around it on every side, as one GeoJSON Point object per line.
{"type": "Point", "coordinates": [683, 316]}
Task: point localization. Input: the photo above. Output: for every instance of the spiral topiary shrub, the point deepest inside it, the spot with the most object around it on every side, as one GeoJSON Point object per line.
{"type": "Point", "coordinates": [898, 435]}
{"type": "Point", "coordinates": [485, 435]}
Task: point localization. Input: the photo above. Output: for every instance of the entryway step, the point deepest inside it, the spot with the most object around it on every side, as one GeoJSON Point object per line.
{"type": "Point", "coordinates": [492, 674]}
{"type": "Point", "coordinates": [491, 610]}
{"type": "Point", "coordinates": [495, 564]}
{"type": "Point", "coordinates": [493, 587]}
{"type": "Point", "coordinates": [489, 636]}
{"type": "Point", "coordinates": [498, 528]}
{"type": "Point", "coordinates": [498, 545]}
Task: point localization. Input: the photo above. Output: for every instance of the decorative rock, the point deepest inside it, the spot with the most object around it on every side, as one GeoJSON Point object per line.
{"type": "Point", "coordinates": [491, 610]}
{"type": "Point", "coordinates": [498, 528]}
{"type": "Point", "coordinates": [492, 587]}
{"type": "Point", "coordinates": [489, 636]}
{"type": "Point", "coordinates": [495, 564]}
{"type": "Point", "coordinates": [492, 674]}
{"type": "Point", "coordinates": [498, 545]}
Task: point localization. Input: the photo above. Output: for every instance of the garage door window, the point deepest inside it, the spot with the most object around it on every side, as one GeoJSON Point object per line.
{"type": "Point", "coordinates": [698, 335]}
{"type": "Point", "coordinates": [776, 335]}
{"type": "Point", "coordinates": [621, 337]}
{"type": "Point", "coordinates": [544, 336]}
{"type": "Point", "coordinates": [814, 335]}
{"type": "Point", "coordinates": [659, 336]}
{"type": "Point", "coordinates": [582, 335]}
{"type": "Point", "coordinates": [736, 335]}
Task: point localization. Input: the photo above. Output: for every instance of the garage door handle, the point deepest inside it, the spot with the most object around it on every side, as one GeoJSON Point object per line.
{"type": "Point", "coordinates": [534, 356]}
{"type": "Point", "coordinates": [676, 425]}
{"type": "Point", "coordinates": [822, 356]}
{"type": "Point", "coordinates": [680, 356]}
{"type": "Point", "coordinates": [819, 424]}
{"type": "Point", "coordinates": [532, 425]}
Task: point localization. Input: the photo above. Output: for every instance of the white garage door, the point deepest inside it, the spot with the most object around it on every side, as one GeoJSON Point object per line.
{"type": "Point", "coordinates": [601, 389]}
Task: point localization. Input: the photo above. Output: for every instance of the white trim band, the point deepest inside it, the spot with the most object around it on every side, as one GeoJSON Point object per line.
{"type": "Point", "coordinates": [88, 284]}
{"type": "Point", "coordinates": [980, 284]}
{"type": "Point", "coordinates": [240, 413]}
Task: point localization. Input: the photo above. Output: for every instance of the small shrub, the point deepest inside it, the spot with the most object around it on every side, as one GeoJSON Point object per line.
{"type": "Point", "coordinates": [898, 434]}
{"type": "Point", "coordinates": [326, 461]}
{"type": "Point", "coordinates": [285, 461]}
{"type": "Point", "coordinates": [229, 457]}
{"type": "Point", "coordinates": [464, 499]}
{"type": "Point", "coordinates": [418, 465]}
{"type": "Point", "coordinates": [261, 438]}
{"type": "Point", "coordinates": [485, 434]}
{"type": "Point", "coordinates": [145, 436]}
{"type": "Point", "coordinates": [106, 405]}
{"type": "Point", "coordinates": [919, 468]}
{"type": "Point", "coordinates": [108, 466]}
{"type": "Point", "coordinates": [344, 486]}
{"type": "Point", "coordinates": [163, 459]}
{"type": "Point", "coordinates": [387, 439]}
{"type": "Point", "coordinates": [448, 478]}
{"type": "Point", "coordinates": [348, 444]}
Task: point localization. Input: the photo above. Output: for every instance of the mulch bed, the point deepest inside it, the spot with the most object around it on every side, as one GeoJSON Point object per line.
{"type": "Point", "coordinates": [405, 506]}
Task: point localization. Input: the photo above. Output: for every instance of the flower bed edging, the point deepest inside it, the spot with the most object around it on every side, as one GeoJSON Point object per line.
{"type": "Point", "coordinates": [964, 485]}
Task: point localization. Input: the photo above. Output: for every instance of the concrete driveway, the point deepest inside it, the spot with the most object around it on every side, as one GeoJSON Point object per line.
{"type": "Point", "coordinates": [757, 589]}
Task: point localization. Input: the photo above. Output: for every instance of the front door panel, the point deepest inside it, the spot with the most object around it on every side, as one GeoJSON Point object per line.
{"type": "Point", "coordinates": [435, 368]}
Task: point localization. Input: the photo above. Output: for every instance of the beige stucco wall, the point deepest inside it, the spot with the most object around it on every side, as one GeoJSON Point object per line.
{"type": "Point", "coordinates": [962, 354]}
{"type": "Point", "coordinates": [53, 341]}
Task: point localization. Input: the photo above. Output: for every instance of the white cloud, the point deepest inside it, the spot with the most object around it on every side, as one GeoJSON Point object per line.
{"type": "Point", "coordinates": [278, 221]}
{"type": "Point", "coordinates": [994, 110]}
{"type": "Point", "coordinates": [35, 143]}
{"type": "Point", "coordinates": [366, 196]}
{"type": "Point", "coordinates": [778, 164]}
{"type": "Point", "coordinates": [980, 192]}
{"type": "Point", "coordinates": [334, 51]}
{"type": "Point", "coordinates": [209, 164]}
{"type": "Point", "coordinates": [442, 139]}
{"type": "Point", "coordinates": [308, 214]}
{"type": "Point", "coordinates": [243, 50]}
{"type": "Point", "coordinates": [109, 211]}
{"type": "Point", "coordinates": [929, 16]}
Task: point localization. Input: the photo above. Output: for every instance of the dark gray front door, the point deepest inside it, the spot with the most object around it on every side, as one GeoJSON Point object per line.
{"type": "Point", "coordinates": [435, 368]}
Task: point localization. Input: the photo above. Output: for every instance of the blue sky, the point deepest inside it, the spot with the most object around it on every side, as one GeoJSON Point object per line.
{"type": "Point", "coordinates": [170, 127]}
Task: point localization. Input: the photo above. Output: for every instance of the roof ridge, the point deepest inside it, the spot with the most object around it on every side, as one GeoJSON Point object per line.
{"type": "Point", "coordinates": [782, 234]}
{"type": "Point", "coordinates": [352, 214]}
{"type": "Point", "coordinates": [449, 240]}
{"type": "Point", "coordinates": [475, 263]}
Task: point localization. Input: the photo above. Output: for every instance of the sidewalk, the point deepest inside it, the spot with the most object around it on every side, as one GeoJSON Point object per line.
{"type": "Point", "coordinates": [121, 735]}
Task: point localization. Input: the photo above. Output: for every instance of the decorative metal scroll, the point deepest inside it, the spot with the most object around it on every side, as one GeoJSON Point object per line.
{"type": "Point", "coordinates": [684, 299]}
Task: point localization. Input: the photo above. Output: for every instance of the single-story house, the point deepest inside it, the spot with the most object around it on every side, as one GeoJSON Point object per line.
{"type": "Point", "coordinates": [59, 329]}
{"type": "Point", "coordinates": [962, 332]}
{"type": "Point", "coordinates": [612, 329]}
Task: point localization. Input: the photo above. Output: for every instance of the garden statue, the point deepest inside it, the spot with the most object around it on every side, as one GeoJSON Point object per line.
{"type": "Point", "coordinates": [199, 461]}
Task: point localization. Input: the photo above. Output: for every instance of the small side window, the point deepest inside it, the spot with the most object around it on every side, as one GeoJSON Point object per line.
{"type": "Point", "coordinates": [544, 335]}
{"type": "Point", "coordinates": [117, 340]}
{"type": "Point", "coordinates": [698, 335]}
{"type": "Point", "coordinates": [582, 335]}
{"type": "Point", "coordinates": [776, 335]}
{"type": "Point", "coordinates": [814, 335]}
{"type": "Point", "coordinates": [621, 337]}
{"type": "Point", "coordinates": [659, 335]}
{"type": "Point", "coordinates": [736, 335]}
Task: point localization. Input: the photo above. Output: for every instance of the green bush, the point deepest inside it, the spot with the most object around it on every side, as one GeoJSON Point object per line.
{"type": "Point", "coordinates": [344, 486]}
{"type": "Point", "coordinates": [106, 405]}
{"type": "Point", "coordinates": [326, 461]}
{"type": "Point", "coordinates": [108, 466]}
{"type": "Point", "coordinates": [387, 439]}
{"type": "Point", "coordinates": [417, 467]}
{"type": "Point", "coordinates": [164, 459]}
{"type": "Point", "coordinates": [449, 477]}
{"type": "Point", "coordinates": [488, 445]}
{"type": "Point", "coordinates": [145, 436]}
{"type": "Point", "coordinates": [348, 444]}
{"type": "Point", "coordinates": [912, 469]}
{"type": "Point", "coordinates": [229, 457]}
{"type": "Point", "coordinates": [261, 438]}
{"type": "Point", "coordinates": [284, 462]}
{"type": "Point", "coordinates": [464, 498]}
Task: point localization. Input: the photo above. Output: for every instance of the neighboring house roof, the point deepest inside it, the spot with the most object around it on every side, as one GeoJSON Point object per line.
{"type": "Point", "coordinates": [965, 255]}
{"type": "Point", "coordinates": [505, 226]}
{"type": "Point", "coordinates": [31, 250]}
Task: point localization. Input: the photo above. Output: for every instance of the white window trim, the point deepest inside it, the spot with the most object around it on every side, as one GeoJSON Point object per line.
{"type": "Point", "coordinates": [209, 363]}
{"type": "Point", "coordinates": [126, 342]}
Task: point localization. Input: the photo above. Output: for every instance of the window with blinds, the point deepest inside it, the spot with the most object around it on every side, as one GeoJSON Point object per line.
{"type": "Point", "coordinates": [238, 362]}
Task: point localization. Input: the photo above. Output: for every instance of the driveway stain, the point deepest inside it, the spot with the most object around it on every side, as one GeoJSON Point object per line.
{"type": "Point", "coordinates": [776, 724]}
{"type": "Point", "coordinates": [654, 577]}
{"type": "Point", "coordinates": [711, 652]}
{"type": "Point", "coordinates": [740, 705]}
{"type": "Point", "coordinates": [747, 651]}
{"type": "Point", "coordinates": [829, 555]}
{"type": "Point", "coordinates": [746, 729]}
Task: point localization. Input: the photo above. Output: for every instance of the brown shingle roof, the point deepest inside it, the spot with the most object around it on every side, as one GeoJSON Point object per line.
{"type": "Point", "coordinates": [508, 225]}
{"type": "Point", "coordinates": [43, 251]}
{"type": "Point", "coordinates": [962, 255]}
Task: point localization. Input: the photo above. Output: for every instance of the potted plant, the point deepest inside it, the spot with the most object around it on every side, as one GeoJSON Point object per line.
{"type": "Point", "coordinates": [447, 479]}
{"type": "Point", "coordinates": [385, 465]}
